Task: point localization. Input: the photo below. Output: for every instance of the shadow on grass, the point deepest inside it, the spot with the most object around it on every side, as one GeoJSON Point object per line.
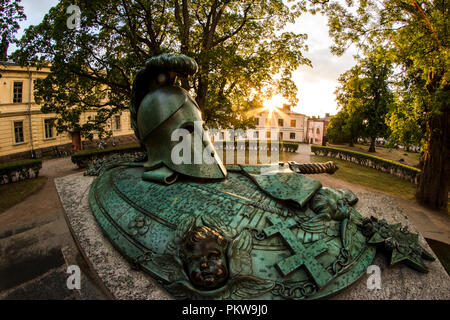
{"type": "Point", "coordinates": [14, 193]}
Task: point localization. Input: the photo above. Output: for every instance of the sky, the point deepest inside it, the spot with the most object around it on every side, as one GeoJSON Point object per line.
{"type": "Point", "coordinates": [315, 85]}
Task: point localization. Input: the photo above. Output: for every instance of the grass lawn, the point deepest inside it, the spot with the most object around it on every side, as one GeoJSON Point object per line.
{"type": "Point", "coordinates": [13, 193]}
{"type": "Point", "coordinates": [410, 158]}
{"type": "Point", "coordinates": [371, 178]}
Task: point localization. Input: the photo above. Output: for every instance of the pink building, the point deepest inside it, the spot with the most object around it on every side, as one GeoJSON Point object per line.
{"type": "Point", "coordinates": [317, 129]}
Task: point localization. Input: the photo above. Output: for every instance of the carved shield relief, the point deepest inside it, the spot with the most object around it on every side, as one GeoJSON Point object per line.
{"type": "Point", "coordinates": [228, 239]}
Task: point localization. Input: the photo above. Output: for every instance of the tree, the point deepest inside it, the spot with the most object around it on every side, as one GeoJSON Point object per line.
{"type": "Point", "coordinates": [239, 47]}
{"type": "Point", "coordinates": [11, 12]}
{"type": "Point", "coordinates": [345, 127]}
{"type": "Point", "coordinates": [404, 127]}
{"type": "Point", "coordinates": [405, 118]}
{"type": "Point", "coordinates": [365, 96]}
{"type": "Point", "coordinates": [336, 132]}
{"type": "Point", "coordinates": [416, 35]}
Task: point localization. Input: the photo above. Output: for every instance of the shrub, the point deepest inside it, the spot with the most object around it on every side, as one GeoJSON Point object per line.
{"type": "Point", "coordinates": [7, 167]}
{"type": "Point", "coordinates": [384, 163]}
{"type": "Point", "coordinates": [292, 146]}
{"type": "Point", "coordinates": [19, 170]}
{"type": "Point", "coordinates": [82, 158]}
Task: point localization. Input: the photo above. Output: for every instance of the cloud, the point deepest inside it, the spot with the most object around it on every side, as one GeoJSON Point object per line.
{"type": "Point", "coordinates": [317, 84]}
{"type": "Point", "coordinates": [35, 12]}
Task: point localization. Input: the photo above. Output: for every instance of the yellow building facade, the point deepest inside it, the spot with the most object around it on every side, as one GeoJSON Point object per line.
{"type": "Point", "coordinates": [23, 127]}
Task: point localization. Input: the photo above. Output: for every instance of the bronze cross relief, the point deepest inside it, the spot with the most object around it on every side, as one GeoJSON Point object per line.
{"type": "Point", "coordinates": [301, 255]}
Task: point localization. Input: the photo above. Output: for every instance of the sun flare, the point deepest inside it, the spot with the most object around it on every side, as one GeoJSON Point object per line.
{"type": "Point", "coordinates": [274, 103]}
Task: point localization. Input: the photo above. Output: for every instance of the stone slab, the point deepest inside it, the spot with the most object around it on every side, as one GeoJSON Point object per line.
{"type": "Point", "coordinates": [397, 282]}
{"type": "Point", "coordinates": [116, 273]}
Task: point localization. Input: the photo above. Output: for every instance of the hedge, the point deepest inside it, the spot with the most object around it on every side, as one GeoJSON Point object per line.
{"type": "Point", "coordinates": [292, 146]}
{"type": "Point", "coordinates": [385, 165]}
{"type": "Point", "coordinates": [83, 158]}
{"type": "Point", "coordinates": [19, 170]}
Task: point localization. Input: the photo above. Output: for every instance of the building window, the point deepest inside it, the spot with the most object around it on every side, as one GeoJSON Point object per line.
{"type": "Point", "coordinates": [281, 136]}
{"type": "Point", "coordinates": [17, 92]}
{"type": "Point", "coordinates": [257, 121]}
{"type": "Point", "coordinates": [292, 135]}
{"type": "Point", "coordinates": [293, 123]}
{"type": "Point", "coordinates": [18, 131]}
{"type": "Point", "coordinates": [318, 131]}
{"type": "Point", "coordinates": [268, 134]}
{"type": "Point", "coordinates": [267, 122]}
{"type": "Point", "coordinates": [256, 134]}
{"type": "Point", "coordinates": [280, 122]}
{"type": "Point", "coordinates": [48, 126]}
{"type": "Point", "coordinates": [116, 122]}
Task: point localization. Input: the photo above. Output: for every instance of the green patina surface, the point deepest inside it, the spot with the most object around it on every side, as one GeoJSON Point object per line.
{"type": "Point", "coordinates": [257, 233]}
{"type": "Point", "coordinates": [289, 253]}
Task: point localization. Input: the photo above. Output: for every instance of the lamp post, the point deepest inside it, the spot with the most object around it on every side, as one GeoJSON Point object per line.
{"type": "Point", "coordinates": [33, 155]}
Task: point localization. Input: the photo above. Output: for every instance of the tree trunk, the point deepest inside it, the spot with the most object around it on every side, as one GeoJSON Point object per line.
{"type": "Point", "coordinates": [433, 181]}
{"type": "Point", "coordinates": [4, 49]}
{"type": "Point", "coordinates": [351, 144]}
{"type": "Point", "coordinates": [76, 141]}
{"type": "Point", "coordinates": [372, 144]}
{"type": "Point", "coordinates": [202, 91]}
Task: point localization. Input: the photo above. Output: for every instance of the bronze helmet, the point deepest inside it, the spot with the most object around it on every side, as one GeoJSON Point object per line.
{"type": "Point", "coordinates": [166, 118]}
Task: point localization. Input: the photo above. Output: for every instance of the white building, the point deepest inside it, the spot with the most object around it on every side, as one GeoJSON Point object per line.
{"type": "Point", "coordinates": [317, 129]}
{"type": "Point", "coordinates": [291, 126]}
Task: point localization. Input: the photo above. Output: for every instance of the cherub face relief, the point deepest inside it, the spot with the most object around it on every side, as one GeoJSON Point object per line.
{"type": "Point", "coordinates": [205, 259]}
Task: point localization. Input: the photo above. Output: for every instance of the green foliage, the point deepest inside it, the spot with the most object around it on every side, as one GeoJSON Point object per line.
{"type": "Point", "coordinates": [344, 127]}
{"type": "Point", "coordinates": [8, 167]}
{"type": "Point", "coordinates": [405, 126]}
{"type": "Point", "coordinates": [82, 157]}
{"type": "Point", "coordinates": [416, 38]}
{"type": "Point", "coordinates": [11, 12]}
{"type": "Point", "coordinates": [240, 48]}
{"type": "Point", "coordinates": [381, 161]}
{"type": "Point", "coordinates": [365, 98]}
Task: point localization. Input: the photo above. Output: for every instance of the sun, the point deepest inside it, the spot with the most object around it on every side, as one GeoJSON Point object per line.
{"type": "Point", "coordinates": [274, 103]}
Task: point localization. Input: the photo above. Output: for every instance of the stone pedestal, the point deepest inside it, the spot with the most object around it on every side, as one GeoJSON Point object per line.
{"type": "Point", "coordinates": [397, 282]}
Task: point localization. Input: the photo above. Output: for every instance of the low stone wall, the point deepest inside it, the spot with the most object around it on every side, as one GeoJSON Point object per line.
{"type": "Point", "coordinates": [115, 141]}
{"type": "Point", "coordinates": [14, 172]}
{"type": "Point", "coordinates": [262, 145]}
{"type": "Point", "coordinates": [84, 158]}
{"type": "Point", "coordinates": [397, 169]}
